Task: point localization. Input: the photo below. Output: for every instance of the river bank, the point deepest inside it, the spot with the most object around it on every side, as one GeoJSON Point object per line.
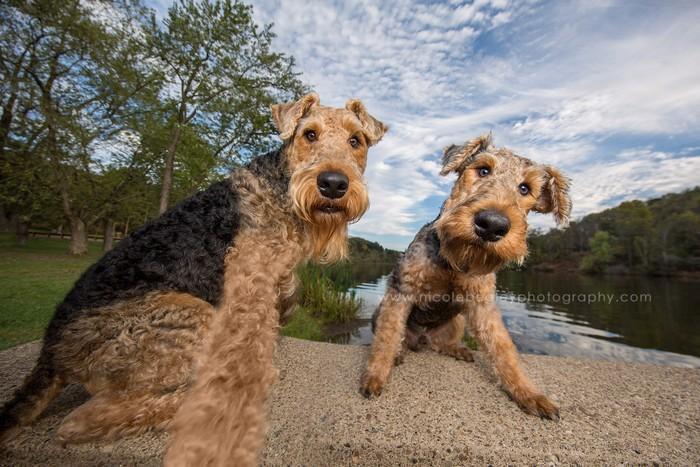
{"type": "Point", "coordinates": [572, 267]}
{"type": "Point", "coordinates": [436, 411]}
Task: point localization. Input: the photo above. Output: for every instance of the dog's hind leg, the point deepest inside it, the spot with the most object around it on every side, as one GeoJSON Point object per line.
{"type": "Point", "coordinates": [41, 386]}
{"type": "Point", "coordinates": [137, 364]}
{"type": "Point", "coordinates": [447, 339]}
{"type": "Point", "coordinates": [112, 416]}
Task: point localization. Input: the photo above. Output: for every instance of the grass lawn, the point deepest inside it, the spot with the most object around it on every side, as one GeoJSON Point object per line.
{"type": "Point", "coordinates": [33, 280]}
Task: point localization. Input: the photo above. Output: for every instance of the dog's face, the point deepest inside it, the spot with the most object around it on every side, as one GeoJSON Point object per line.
{"type": "Point", "coordinates": [326, 150]}
{"type": "Point", "coordinates": [483, 223]}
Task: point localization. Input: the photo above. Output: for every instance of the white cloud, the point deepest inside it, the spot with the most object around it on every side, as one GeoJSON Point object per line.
{"type": "Point", "coordinates": [633, 174]}
{"type": "Point", "coordinates": [556, 81]}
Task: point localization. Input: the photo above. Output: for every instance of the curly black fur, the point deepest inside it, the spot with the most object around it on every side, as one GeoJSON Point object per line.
{"type": "Point", "coordinates": [431, 314]}
{"type": "Point", "coordinates": [183, 250]}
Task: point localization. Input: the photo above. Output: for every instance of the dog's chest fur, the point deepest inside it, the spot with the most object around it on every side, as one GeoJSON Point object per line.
{"type": "Point", "coordinates": [439, 292]}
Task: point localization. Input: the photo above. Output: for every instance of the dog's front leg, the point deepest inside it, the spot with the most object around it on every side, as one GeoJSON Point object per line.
{"type": "Point", "coordinates": [222, 420]}
{"type": "Point", "coordinates": [486, 325]}
{"type": "Point", "coordinates": [389, 332]}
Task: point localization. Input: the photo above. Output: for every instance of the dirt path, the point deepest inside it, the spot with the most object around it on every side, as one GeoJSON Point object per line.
{"type": "Point", "coordinates": [436, 411]}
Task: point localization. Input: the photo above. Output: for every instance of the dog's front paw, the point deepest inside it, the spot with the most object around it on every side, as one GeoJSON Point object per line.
{"type": "Point", "coordinates": [371, 385]}
{"type": "Point", "coordinates": [540, 405]}
{"type": "Point", "coordinates": [463, 354]}
{"type": "Point", "coordinates": [72, 431]}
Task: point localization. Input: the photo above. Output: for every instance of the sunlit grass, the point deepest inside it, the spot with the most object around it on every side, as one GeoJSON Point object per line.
{"type": "Point", "coordinates": [33, 280]}
{"type": "Point", "coordinates": [36, 277]}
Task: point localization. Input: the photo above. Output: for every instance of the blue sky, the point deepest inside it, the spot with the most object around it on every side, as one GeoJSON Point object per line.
{"type": "Point", "coordinates": [608, 91]}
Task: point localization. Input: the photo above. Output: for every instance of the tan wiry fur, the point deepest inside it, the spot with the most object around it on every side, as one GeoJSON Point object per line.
{"type": "Point", "coordinates": [448, 259]}
{"type": "Point", "coordinates": [136, 364]}
{"type": "Point", "coordinates": [222, 420]}
{"type": "Point", "coordinates": [333, 127]}
{"type": "Point", "coordinates": [170, 360]}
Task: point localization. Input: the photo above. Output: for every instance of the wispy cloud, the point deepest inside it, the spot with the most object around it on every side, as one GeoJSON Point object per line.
{"type": "Point", "coordinates": [608, 91]}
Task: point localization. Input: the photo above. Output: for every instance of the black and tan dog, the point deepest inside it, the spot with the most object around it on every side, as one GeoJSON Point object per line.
{"type": "Point", "coordinates": [446, 280]}
{"type": "Point", "coordinates": [176, 326]}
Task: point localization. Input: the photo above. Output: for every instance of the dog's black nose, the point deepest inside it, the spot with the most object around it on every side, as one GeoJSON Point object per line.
{"type": "Point", "coordinates": [332, 185]}
{"type": "Point", "coordinates": [490, 225]}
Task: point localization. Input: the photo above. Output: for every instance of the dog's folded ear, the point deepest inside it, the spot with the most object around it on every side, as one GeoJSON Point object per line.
{"type": "Point", "coordinates": [373, 128]}
{"type": "Point", "coordinates": [286, 116]}
{"type": "Point", "coordinates": [456, 157]}
{"type": "Point", "coordinates": [555, 196]}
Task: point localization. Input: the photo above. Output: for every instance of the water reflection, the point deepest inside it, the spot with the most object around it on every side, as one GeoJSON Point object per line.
{"type": "Point", "coordinates": [556, 321]}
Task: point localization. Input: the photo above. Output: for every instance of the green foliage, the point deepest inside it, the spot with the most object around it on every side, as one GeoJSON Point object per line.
{"type": "Point", "coordinates": [660, 236]}
{"type": "Point", "coordinates": [98, 99]}
{"type": "Point", "coordinates": [220, 77]}
{"type": "Point", "coordinates": [77, 80]}
{"type": "Point", "coordinates": [304, 325]}
{"type": "Point", "coordinates": [470, 342]}
{"type": "Point", "coordinates": [362, 250]}
{"type": "Point", "coordinates": [322, 286]}
{"type": "Point", "coordinates": [322, 296]}
{"type": "Point", "coordinates": [325, 298]}
{"type": "Point", "coordinates": [600, 255]}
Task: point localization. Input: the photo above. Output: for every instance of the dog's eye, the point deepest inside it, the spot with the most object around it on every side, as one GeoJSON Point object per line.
{"type": "Point", "coordinates": [523, 189]}
{"type": "Point", "coordinates": [354, 142]}
{"type": "Point", "coordinates": [483, 171]}
{"type": "Point", "coordinates": [310, 135]}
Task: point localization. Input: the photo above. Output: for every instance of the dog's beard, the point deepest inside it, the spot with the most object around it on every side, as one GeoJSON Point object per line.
{"type": "Point", "coordinates": [466, 252]}
{"type": "Point", "coordinates": [327, 220]}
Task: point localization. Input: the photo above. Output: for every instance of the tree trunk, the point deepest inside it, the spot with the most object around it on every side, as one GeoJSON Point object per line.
{"type": "Point", "coordinates": [4, 220]}
{"type": "Point", "coordinates": [22, 232]}
{"type": "Point", "coordinates": [664, 242]}
{"type": "Point", "coordinates": [9, 107]}
{"type": "Point", "coordinates": [168, 170]}
{"type": "Point", "coordinates": [78, 237]}
{"type": "Point", "coordinates": [108, 241]}
{"type": "Point", "coordinates": [126, 228]}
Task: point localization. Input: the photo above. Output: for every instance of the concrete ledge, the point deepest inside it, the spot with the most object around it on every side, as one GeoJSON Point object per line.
{"type": "Point", "coordinates": [436, 411]}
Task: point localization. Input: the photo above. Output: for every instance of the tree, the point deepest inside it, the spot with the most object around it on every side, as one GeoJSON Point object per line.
{"type": "Point", "coordinates": [601, 252]}
{"type": "Point", "coordinates": [22, 174]}
{"type": "Point", "coordinates": [85, 67]}
{"type": "Point", "coordinates": [221, 78]}
{"type": "Point", "coordinates": [659, 236]}
{"type": "Point", "coordinates": [633, 228]}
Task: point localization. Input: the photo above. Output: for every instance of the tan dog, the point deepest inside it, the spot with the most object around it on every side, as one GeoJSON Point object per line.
{"type": "Point", "coordinates": [181, 318]}
{"type": "Point", "coordinates": [446, 280]}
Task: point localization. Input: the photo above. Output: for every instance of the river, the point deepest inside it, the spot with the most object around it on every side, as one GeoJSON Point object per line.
{"type": "Point", "coordinates": [626, 318]}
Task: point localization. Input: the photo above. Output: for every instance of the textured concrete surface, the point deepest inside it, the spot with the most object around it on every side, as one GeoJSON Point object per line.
{"type": "Point", "coordinates": [436, 411]}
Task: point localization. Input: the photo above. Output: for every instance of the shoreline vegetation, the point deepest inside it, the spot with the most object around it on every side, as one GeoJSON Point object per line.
{"type": "Point", "coordinates": [36, 276]}
{"type": "Point", "coordinates": [323, 300]}
{"type": "Point", "coordinates": [658, 237]}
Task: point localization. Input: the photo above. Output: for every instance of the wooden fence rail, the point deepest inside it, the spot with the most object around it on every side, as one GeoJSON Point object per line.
{"type": "Point", "coordinates": [62, 235]}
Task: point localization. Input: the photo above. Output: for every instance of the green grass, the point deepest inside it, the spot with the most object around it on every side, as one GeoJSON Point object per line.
{"type": "Point", "coordinates": [33, 280]}
{"type": "Point", "coordinates": [36, 277]}
{"type": "Point", "coordinates": [304, 325]}
{"type": "Point", "coordinates": [470, 342]}
{"type": "Point", "coordinates": [322, 301]}
{"type": "Point", "coordinates": [325, 297]}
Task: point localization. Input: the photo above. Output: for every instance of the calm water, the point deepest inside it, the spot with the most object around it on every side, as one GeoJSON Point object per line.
{"type": "Point", "coordinates": [637, 319]}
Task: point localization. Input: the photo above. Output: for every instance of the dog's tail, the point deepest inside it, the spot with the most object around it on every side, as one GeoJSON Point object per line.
{"type": "Point", "coordinates": [41, 386]}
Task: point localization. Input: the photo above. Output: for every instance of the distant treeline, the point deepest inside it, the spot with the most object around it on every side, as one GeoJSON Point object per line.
{"type": "Point", "coordinates": [362, 250]}
{"type": "Point", "coordinates": [660, 236]}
